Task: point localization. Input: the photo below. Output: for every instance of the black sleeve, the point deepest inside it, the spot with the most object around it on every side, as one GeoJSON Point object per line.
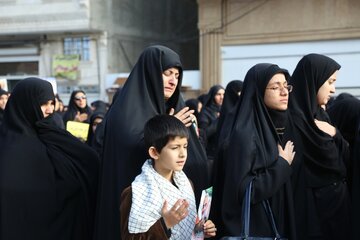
{"type": "Point", "coordinates": [270, 180]}
{"type": "Point", "coordinates": [343, 147]}
{"type": "Point", "coordinates": [207, 124]}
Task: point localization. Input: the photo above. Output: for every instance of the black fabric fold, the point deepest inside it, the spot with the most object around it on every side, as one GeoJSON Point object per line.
{"type": "Point", "coordinates": [48, 179]}
{"type": "Point", "coordinates": [76, 167]}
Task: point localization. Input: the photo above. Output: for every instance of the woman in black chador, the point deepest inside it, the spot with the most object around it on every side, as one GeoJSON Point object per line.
{"type": "Point", "coordinates": [319, 171]}
{"type": "Point", "coordinates": [78, 109]}
{"type": "Point", "coordinates": [152, 88]}
{"type": "Point", "coordinates": [92, 140]}
{"type": "Point", "coordinates": [232, 94]}
{"type": "Point", "coordinates": [208, 118]}
{"type": "Point", "coordinates": [48, 178]}
{"type": "Point", "coordinates": [254, 151]}
{"type": "Point", "coordinates": [345, 114]}
{"type": "Point", "coordinates": [231, 97]}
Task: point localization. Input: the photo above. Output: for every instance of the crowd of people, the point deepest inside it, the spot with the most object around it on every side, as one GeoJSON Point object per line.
{"type": "Point", "coordinates": [148, 156]}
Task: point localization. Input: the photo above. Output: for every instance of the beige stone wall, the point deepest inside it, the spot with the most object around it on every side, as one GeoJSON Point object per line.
{"type": "Point", "coordinates": [24, 17]}
{"type": "Point", "coordinates": [236, 22]}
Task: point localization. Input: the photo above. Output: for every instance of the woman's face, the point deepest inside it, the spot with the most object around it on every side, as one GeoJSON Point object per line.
{"type": "Point", "coordinates": [219, 97]}
{"type": "Point", "coordinates": [96, 122]}
{"type": "Point", "coordinates": [277, 93]}
{"type": "Point", "coordinates": [3, 101]}
{"type": "Point", "coordinates": [171, 79]}
{"type": "Point", "coordinates": [47, 108]}
{"type": "Point", "coordinates": [326, 90]}
{"type": "Point", "coordinates": [80, 100]}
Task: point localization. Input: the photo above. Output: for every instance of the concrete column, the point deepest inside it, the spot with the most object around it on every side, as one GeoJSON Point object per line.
{"type": "Point", "coordinates": [210, 59]}
{"type": "Point", "coordinates": [102, 63]}
{"type": "Point", "coordinates": [210, 26]}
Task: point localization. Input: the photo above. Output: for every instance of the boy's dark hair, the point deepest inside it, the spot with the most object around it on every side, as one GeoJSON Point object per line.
{"type": "Point", "coordinates": [161, 128]}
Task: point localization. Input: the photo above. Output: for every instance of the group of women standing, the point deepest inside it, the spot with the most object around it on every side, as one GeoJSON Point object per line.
{"type": "Point", "coordinates": [277, 136]}
{"type": "Point", "coordinates": [294, 157]}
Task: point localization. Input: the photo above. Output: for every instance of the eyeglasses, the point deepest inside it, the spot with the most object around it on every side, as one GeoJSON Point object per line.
{"type": "Point", "coordinates": [289, 88]}
{"type": "Point", "coordinates": [79, 98]}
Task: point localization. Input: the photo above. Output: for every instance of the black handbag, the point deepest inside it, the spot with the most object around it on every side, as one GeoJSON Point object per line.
{"type": "Point", "coordinates": [246, 222]}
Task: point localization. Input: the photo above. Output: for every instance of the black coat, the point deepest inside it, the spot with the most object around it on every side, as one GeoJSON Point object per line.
{"type": "Point", "coordinates": [48, 178]}
{"type": "Point", "coordinates": [141, 98]}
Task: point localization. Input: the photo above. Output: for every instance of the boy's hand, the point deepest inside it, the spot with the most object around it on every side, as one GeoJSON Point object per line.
{"type": "Point", "coordinates": [185, 115]}
{"type": "Point", "coordinates": [209, 229]}
{"type": "Point", "coordinates": [177, 213]}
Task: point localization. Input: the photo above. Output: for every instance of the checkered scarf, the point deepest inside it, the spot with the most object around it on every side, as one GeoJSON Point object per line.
{"type": "Point", "coordinates": [149, 191]}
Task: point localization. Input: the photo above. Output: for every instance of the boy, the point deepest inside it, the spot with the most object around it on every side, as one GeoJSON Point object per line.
{"type": "Point", "coordinates": [160, 203]}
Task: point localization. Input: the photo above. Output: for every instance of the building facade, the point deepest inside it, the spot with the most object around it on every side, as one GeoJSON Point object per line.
{"type": "Point", "coordinates": [78, 43]}
{"type": "Point", "coordinates": [236, 34]}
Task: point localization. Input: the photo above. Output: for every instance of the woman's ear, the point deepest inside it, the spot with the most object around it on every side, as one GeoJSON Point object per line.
{"type": "Point", "coordinates": [153, 153]}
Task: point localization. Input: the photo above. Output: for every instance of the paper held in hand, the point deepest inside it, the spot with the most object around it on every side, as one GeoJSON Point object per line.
{"type": "Point", "coordinates": [78, 129]}
{"type": "Point", "coordinates": [203, 214]}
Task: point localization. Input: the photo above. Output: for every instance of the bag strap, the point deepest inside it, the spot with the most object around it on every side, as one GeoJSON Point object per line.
{"type": "Point", "coordinates": [246, 211]}
{"type": "Point", "coordinates": [271, 218]}
{"type": "Point", "coordinates": [246, 214]}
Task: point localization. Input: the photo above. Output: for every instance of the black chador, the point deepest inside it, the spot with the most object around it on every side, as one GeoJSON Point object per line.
{"type": "Point", "coordinates": [48, 178]}
{"type": "Point", "coordinates": [319, 171]}
{"type": "Point", "coordinates": [250, 152]}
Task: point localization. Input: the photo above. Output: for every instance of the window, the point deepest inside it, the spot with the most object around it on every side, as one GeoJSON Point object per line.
{"type": "Point", "coordinates": [78, 45]}
{"type": "Point", "coordinates": [19, 68]}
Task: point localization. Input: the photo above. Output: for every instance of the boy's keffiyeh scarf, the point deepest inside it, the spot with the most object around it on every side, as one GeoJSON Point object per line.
{"type": "Point", "coordinates": [149, 191]}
